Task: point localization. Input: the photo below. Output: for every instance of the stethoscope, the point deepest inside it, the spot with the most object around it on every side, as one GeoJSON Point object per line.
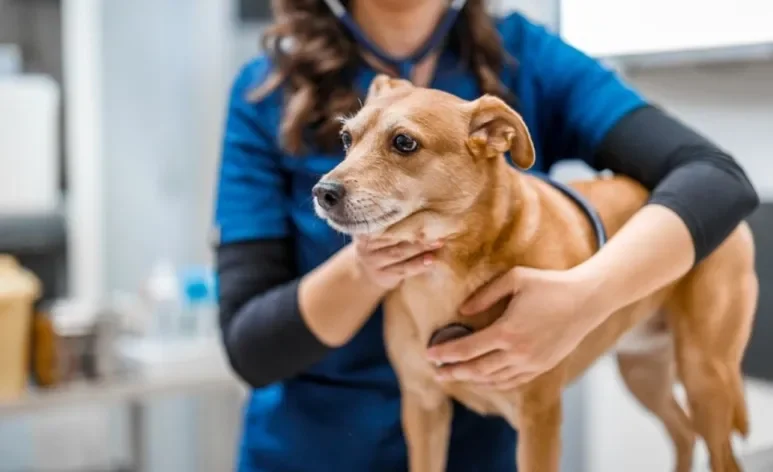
{"type": "Point", "coordinates": [404, 66]}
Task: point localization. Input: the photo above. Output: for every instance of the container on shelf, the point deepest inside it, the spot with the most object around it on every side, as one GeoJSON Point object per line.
{"type": "Point", "coordinates": [19, 291]}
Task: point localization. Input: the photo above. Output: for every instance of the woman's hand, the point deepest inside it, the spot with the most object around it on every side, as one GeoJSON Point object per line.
{"type": "Point", "coordinates": [548, 316]}
{"type": "Point", "coordinates": [387, 264]}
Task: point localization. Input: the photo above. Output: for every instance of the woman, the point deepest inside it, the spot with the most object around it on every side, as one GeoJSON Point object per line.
{"type": "Point", "coordinates": [324, 395]}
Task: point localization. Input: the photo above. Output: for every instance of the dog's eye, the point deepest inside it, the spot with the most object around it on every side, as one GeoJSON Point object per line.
{"type": "Point", "coordinates": [404, 143]}
{"type": "Point", "coordinates": [346, 140]}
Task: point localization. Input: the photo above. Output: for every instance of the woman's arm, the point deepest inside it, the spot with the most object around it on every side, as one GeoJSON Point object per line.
{"type": "Point", "coordinates": [259, 315]}
{"type": "Point", "coordinates": [555, 310]}
{"type": "Point", "coordinates": [685, 172]}
{"type": "Point", "coordinates": [699, 196]}
{"type": "Point", "coordinates": [599, 118]}
{"type": "Point", "coordinates": [272, 327]}
{"type": "Point", "coordinates": [267, 335]}
{"type": "Point", "coordinates": [275, 324]}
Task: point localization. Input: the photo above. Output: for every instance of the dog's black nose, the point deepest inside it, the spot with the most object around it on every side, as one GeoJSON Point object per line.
{"type": "Point", "coordinates": [329, 194]}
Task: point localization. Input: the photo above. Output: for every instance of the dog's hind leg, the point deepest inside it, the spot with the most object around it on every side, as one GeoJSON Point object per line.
{"type": "Point", "coordinates": [711, 317]}
{"type": "Point", "coordinates": [716, 401]}
{"type": "Point", "coordinates": [650, 378]}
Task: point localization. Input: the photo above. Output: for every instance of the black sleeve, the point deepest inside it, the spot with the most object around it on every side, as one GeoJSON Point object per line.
{"type": "Point", "coordinates": [265, 337]}
{"type": "Point", "coordinates": [684, 171]}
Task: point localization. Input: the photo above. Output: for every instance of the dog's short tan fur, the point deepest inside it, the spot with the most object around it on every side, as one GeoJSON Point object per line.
{"type": "Point", "coordinates": [458, 187]}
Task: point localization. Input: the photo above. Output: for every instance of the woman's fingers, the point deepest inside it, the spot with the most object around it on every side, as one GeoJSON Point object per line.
{"type": "Point", "coordinates": [468, 348]}
{"type": "Point", "coordinates": [388, 264]}
{"type": "Point", "coordinates": [491, 293]}
{"type": "Point", "coordinates": [483, 369]}
{"type": "Point", "coordinates": [413, 266]}
{"type": "Point", "coordinates": [402, 252]}
{"type": "Point", "coordinates": [368, 244]}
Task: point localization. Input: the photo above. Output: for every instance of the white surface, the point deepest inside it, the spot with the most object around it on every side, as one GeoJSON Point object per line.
{"type": "Point", "coordinates": [186, 377]}
{"type": "Point", "coordinates": [153, 357]}
{"type": "Point", "coordinates": [610, 28]}
{"type": "Point", "coordinates": [75, 426]}
{"type": "Point", "coordinates": [29, 144]}
{"type": "Point", "coordinates": [82, 67]}
{"type": "Point", "coordinates": [10, 59]}
{"type": "Point", "coordinates": [541, 11]}
{"type": "Point", "coordinates": [214, 44]}
{"type": "Point", "coordinates": [615, 418]}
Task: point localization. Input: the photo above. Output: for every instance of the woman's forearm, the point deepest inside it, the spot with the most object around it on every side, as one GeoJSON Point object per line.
{"type": "Point", "coordinates": [336, 299]}
{"type": "Point", "coordinates": [652, 250]}
{"type": "Point", "coordinates": [686, 173]}
{"type": "Point", "coordinates": [699, 196]}
{"type": "Point", "coordinates": [266, 334]}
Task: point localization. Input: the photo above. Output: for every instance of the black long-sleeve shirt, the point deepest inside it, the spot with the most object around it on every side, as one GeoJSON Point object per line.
{"type": "Point", "coordinates": [259, 313]}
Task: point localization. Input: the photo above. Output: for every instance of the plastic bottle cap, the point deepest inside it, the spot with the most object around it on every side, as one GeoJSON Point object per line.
{"type": "Point", "coordinates": [16, 281]}
{"type": "Point", "coordinates": [197, 290]}
{"type": "Point", "coordinates": [163, 282]}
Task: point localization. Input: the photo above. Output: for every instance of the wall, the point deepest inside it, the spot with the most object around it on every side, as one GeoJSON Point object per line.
{"type": "Point", "coordinates": [164, 67]}
{"type": "Point", "coordinates": [734, 106]}
{"type": "Point", "coordinates": [166, 79]}
{"type": "Point", "coordinates": [151, 153]}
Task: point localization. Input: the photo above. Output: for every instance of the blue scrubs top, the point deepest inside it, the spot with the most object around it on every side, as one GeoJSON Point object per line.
{"type": "Point", "coordinates": [343, 414]}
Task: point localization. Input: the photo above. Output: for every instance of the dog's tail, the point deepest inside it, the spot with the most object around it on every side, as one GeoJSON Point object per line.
{"type": "Point", "coordinates": [740, 412]}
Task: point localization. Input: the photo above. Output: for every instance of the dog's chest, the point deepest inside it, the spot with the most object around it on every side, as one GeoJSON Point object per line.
{"type": "Point", "coordinates": [426, 304]}
{"type": "Point", "coordinates": [433, 300]}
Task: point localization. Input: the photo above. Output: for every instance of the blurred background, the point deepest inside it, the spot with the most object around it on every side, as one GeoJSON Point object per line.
{"type": "Point", "coordinates": [110, 120]}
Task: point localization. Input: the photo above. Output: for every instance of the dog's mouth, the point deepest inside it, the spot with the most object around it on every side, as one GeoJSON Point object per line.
{"type": "Point", "coordinates": [355, 222]}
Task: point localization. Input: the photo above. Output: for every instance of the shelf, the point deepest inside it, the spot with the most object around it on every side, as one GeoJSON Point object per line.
{"type": "Point", "coordinates": [696, 57]}
{"type": "Point", "coordinates": [668, 33]}
{"type": "Point", "coordinates": [207, 370]}
{"type": "Point", "coordinates": [32, 233]}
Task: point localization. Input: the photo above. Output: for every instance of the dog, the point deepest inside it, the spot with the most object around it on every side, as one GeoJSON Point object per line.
{"type": "Point", "coordinates": [424, 165]}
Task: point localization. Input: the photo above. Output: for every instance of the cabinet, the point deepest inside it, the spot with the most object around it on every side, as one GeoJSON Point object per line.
{"type": "Point", "coordinates": [679, 30]}
{"type": "Point", "coordinates": [39, 241]}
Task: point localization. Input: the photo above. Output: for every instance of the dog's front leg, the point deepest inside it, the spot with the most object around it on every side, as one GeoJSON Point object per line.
{"type": "Point", "coordinates": [539, 431]}
{"type": "Point", "coordinates": [426, 419]}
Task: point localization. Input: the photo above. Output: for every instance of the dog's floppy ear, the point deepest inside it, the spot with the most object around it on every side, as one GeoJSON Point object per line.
{"type": "Point", "coordinates": [495, 128]}
{"type": "Point", "coordinates": [383, 83]}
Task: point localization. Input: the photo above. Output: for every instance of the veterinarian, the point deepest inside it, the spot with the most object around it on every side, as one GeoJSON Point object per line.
{"type": "Point", "coordinates": [299, 303]}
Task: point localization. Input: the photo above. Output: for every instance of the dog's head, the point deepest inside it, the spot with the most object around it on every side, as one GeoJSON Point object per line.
{"type": "Point", "coordinates": [414, 153]}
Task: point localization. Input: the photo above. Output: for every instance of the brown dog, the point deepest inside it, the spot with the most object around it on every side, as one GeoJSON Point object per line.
{"type": "Point", "coordinates": [424, 165]}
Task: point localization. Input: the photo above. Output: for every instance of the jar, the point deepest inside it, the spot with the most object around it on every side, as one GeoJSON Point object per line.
{"type": "Point", "coordinates": [19, 290]}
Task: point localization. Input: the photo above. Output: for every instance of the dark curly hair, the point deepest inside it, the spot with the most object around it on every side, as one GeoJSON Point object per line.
{"type": "Point", "coordinates": [316, 60]}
